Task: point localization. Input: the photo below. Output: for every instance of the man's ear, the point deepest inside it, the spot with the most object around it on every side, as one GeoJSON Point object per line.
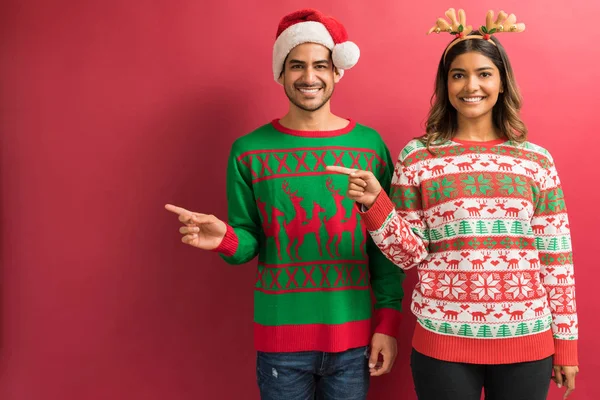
{"type": "Point", "coordinates": [336, 75]}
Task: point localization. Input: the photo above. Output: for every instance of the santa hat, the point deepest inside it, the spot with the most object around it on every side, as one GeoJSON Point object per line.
{"type": "Point", "coordinates": [311, 26]}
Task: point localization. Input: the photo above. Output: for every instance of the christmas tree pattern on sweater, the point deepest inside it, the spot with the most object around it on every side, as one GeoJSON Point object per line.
{"type": "Point", "coordinates": [487, 228]}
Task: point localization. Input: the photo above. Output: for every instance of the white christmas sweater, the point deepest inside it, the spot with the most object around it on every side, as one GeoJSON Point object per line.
{"type": "Point", "coordinates": [486, 226]}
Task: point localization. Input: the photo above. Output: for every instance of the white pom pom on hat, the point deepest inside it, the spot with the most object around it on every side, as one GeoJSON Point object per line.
{"type": "Point", "coordinates": [311, 26]}
{"type": "Point", "coordinates": [345, 55]}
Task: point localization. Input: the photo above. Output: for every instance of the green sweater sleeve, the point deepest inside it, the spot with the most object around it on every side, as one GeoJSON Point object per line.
{"type": "Point", "coordinates": [386, 278]}
{"type": "Point", "coordinates": [241, 243]}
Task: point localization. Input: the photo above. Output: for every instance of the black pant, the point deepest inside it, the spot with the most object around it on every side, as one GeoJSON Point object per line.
{"type": "Point", "coordinates": [441, 380]}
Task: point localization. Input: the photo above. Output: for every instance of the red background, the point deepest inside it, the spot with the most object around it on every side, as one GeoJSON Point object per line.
{"type": "Point", "coordinates": [110, 109]}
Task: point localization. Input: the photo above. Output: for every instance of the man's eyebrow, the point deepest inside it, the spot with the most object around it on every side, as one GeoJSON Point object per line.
{"type": "Point", "coordinates": [293, 61]}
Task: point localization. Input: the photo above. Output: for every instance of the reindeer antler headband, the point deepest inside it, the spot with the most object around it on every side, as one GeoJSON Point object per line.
{"type": "Point", "coordinates": [458, 26]}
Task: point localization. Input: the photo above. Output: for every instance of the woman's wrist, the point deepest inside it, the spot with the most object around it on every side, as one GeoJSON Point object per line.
{"type": "Point", "coordinates": [368, 206]}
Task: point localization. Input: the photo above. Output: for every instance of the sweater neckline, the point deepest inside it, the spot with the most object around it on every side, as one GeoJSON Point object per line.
{"type": "Point", "coordinates": [314, 134]}
{"type": "Point", "coordinates": [477, 143]}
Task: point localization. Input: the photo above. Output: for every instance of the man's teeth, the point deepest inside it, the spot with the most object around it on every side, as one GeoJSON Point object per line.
{"type": "Point", "coordinates": [309, 90]}
{"type": "Point", "coordinates": [472, 99]}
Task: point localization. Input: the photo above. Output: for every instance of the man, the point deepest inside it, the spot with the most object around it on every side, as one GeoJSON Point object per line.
{"type": "Point", "coordinates": [316, 262]}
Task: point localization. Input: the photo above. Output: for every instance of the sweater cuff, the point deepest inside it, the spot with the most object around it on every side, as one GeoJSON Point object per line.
{"type": "Point", "coordinates": [387, 321]}
{"type": "Point", "coordinates": [379, 211]}
{"type": "Point", "coordinates": [565, 352]}
{"type": "Point", "coordinates": [229, 244]}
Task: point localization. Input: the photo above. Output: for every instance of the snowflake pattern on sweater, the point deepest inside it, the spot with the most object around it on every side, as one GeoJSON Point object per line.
{"type": "Point", "coordinates": [486, 226]}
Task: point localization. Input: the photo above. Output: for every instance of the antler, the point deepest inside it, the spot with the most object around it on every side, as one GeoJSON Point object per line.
{"type": "Point", "coordinates": [457, 25]}
{"type": "Point", "coordinates": [329, 184]}
{"type": "Point", "coordinates": [504, 23]}
{"type": "Point", "coordinates": [286, 188]}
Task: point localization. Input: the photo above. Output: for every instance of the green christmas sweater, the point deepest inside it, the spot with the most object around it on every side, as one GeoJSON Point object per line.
{"type": "Point", "coordinates": [317, 265]}
{"type": "Point", "coordinates": [486, 226]}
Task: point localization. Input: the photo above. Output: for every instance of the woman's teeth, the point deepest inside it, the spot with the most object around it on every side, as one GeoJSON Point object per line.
{"type": "Point", "coordinates": [472, 99]}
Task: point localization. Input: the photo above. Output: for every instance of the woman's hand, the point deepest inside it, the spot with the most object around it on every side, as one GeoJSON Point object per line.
{"type": "Point", "coordinates": [363, 187]}
{"type": "Point", "coordinates": [565, 375]}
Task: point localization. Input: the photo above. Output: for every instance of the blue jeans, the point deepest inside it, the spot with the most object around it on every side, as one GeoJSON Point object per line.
{"type": "Point", "coordinates": [310, 375]}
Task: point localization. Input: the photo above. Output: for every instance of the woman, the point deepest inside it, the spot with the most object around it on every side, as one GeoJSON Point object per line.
{"type": "Point", "coordinates": [479, 211]}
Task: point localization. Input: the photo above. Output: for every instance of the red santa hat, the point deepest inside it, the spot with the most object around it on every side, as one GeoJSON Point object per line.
{"type": "Point", "coordinates": [311, 26]}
